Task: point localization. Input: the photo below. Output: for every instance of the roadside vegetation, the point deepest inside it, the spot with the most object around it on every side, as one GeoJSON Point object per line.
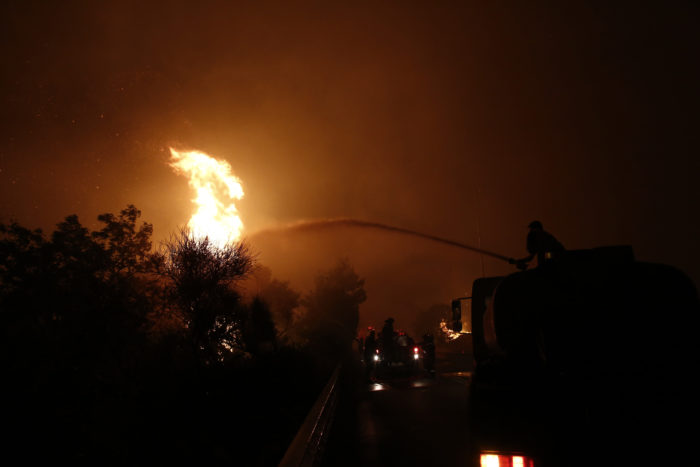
{"type": "Point", "coordinates": [117, 352]}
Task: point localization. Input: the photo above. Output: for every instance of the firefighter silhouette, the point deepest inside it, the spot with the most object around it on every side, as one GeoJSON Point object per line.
{"type": "Point", "coordinates": [386, 340]}
{"type": "Point", "coordinates": [541, 244]}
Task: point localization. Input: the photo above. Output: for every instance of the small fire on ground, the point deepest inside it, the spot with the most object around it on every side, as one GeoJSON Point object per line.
{"type": "Point", "coordinates": [449, 333]}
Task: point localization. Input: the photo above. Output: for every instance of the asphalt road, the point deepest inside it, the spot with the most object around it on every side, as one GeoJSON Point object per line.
{"type": "Point", "coordinates": [405, 419]}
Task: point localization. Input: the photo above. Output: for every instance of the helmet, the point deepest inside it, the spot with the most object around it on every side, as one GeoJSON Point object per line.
{"type": "Point", "coordinates": [535, 225]}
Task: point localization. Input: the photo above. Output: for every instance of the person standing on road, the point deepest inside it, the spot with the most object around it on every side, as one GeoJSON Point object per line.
{"type": "Point", "coordinates": [402, 342]}
{"type": "Point", "coordinates": [428, 346]}
{"type": "Point", "coordinates": [369, 351]}
{"type": "Point", "coordinates": [386, 340]}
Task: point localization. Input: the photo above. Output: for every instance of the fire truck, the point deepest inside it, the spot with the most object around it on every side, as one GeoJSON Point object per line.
{"type": "Point", "coordinates": [589, 359]}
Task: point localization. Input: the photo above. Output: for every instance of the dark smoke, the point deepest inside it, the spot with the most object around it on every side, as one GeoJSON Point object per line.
{"type": "Point", "coordinates": [312, 225]}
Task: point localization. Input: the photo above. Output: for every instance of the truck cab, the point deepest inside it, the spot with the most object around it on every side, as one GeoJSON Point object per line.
{"type": "Point", "coordinates": [586, 360]}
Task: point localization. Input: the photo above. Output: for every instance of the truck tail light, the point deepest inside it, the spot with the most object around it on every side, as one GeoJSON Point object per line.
{"type": "Point", "coordinates": [496, 459]}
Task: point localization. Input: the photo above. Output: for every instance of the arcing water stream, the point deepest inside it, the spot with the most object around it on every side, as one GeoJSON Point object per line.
{"type": "Point", "coordinates": [311, 225]}
{"type": "Point", "coordinates": [216, 217]}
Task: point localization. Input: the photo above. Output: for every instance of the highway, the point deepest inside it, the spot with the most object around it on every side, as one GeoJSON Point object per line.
{"type": "Point", "coordinates": [405, 419]}
{"type": "Point", "coordinates": [409, 419]}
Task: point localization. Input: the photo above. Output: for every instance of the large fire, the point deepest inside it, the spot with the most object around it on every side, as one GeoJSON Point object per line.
{"type": "Point", "coordinates": [216, 190]}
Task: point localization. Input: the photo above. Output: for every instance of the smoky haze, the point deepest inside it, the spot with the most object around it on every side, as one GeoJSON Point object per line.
{"type": "Point", "coordinates": [463, 122]}
{"type": "Point", "coordinates": [404, 274]}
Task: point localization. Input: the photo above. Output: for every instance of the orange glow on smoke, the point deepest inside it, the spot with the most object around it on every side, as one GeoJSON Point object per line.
{"type": "Point", "coordinates": [216, 190]}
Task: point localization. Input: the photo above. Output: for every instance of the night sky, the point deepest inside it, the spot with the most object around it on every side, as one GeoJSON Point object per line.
{"type": "Point", "coordinates": [463, 122]}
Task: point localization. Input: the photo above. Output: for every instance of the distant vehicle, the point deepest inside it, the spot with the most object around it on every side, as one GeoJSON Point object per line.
{"type": "Point", "coordinates": [589, 360]}
{"type": "Point", "coordinates": [399, 360]}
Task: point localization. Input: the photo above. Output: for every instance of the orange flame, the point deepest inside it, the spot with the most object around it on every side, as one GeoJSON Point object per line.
{"type": "Point", "coordinates": [216, 187]}
{"type": "Point", "coordinates": [449, 333]}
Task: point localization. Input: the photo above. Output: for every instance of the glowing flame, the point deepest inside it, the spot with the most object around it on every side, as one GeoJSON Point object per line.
{"type": "Point", "coordinates": [216, 189]}
{"type": "Point", "coordinates": [449, 333]}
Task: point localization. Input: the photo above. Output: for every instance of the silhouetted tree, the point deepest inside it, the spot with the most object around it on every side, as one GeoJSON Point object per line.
{"type": "Point", "coordinates": [281, 299]}
{"type": "Point", "coordinates": [24, 313]}
{"type": "Point", "coordinates": [332, 308]}
{"type": "Point", "coordinates": [201, 277]}
{"type": "Point", "coordinates": [21, 260]}
{"type": "Point", "coordinates": [72, 314]}
{"type": "Point", "coordinates": [96, 339]}
{"type": "Point", "coordinates": [259, 331]}
{"type": "Point", "coordinates": [72, 286]}
{"type": "Point", "coordinates": [127, 248]}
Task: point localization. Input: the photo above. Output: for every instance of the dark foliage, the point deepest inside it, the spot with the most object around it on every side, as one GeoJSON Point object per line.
{"type": "Point", "coordinates": [282, 300]}
{"type": "Point", "coordinates": [97, 337]}
{"type": "Point", "coordinates": [332, 310]}
{"type": "Point", "coordinates": [200, 278]}
{"type": "Point", "coordinates": [259, 334]}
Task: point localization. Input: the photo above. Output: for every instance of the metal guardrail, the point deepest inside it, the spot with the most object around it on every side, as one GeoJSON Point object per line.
{"type": "Point", "coordinates": [307, 447]}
